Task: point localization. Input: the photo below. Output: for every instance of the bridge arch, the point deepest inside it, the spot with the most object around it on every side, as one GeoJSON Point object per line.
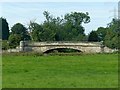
{"type": "Point", "coordinates": [58, 48]}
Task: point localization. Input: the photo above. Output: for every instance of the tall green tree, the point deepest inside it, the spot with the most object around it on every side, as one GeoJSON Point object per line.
{"type": "Point", "coordinates": [51, 27]}
{"type": "Point", "coordinates": [66, 28]}
{"type": "Point", "coordinates": [73, 25]}
{"type": "Point", "coordinates": [4, 29]}
{"type": "Point", "coordinates": [93, 36]}
{"type": "Point", "coordinates": [113, 34]}
{"type": "Point", "coordinates": [101, 32]}
{"type": "Point", "coordinates": [18, 33]}
{"type": "Point", "coordinates": [20, 30]}
{"type": "Point", "coordinates": [36, 31]}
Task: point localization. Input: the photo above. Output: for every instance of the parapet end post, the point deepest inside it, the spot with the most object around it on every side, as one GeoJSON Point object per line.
{"type": "Point", "coordinates": [22, 44]}
{"type": "Point", "coordinates": [102, 47]}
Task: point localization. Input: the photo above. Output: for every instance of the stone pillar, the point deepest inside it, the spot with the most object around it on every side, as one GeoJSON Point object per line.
{"type": "Point", "coordinates": [102, 47]}
{"type": "Point", "coordinates": [22, 43]}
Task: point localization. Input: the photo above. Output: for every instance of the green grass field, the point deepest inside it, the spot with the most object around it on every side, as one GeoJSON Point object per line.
{"type": "Point", "coordinates": [84, 71]}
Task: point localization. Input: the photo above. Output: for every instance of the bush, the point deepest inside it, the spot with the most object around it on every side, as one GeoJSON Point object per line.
{"type": "Point", "coordinates": [5, 45]}
{"type": "Point", "coordinates": [14, 40]}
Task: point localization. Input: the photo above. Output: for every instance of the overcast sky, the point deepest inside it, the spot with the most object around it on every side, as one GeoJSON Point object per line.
{"type": "Point", "coordinates": [101, 13]}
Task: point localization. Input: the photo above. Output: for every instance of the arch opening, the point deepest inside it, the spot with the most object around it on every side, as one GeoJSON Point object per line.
{"type": "Point", "coordinates": [63, 50]}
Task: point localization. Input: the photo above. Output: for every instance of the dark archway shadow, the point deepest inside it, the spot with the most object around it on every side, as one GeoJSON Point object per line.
{"type": "Point", "coordinates": [63, 50]}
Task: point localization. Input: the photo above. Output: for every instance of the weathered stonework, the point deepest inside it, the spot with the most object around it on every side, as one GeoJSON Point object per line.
{"type": "Point", "coordinates": [85, 47]}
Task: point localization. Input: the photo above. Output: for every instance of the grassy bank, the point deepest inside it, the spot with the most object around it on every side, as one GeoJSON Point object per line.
{"type": "Point", "coordinates": [81, 71]}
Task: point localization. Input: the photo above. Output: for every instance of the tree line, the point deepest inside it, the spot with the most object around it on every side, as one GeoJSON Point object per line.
{"type": "Point", "coordinates": [67, 28]}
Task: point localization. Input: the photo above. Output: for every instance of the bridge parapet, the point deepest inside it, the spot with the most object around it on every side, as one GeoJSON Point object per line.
{"type": "Point", "coordinates": [87, 47]}
{"type": "Point", "coordinates": [66, 43]}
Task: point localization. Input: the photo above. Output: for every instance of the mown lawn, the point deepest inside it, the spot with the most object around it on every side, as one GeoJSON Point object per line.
{"type": "Point", "coordinates": [85, 71]}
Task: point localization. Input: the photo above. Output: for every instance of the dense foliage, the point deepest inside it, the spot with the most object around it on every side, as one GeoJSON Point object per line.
{"type": "Point", "coordinates": [109, 35]}
{"type": "Point", "coordinates": [5, 45]}
{"type": "Point", "coordinates": [18, 32]}
{"type": "Point", "coordinates": [113, 34]}
{"type": "Point", "coordinates": [4, 29]}
{"type": "Point", "coordinates": [93, 37]}
{"type": "Point", "coordinates": [66, 28]}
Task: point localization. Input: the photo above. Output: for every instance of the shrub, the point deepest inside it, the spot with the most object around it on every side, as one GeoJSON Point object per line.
{"type": "Point", "coordinates": [5, 45]}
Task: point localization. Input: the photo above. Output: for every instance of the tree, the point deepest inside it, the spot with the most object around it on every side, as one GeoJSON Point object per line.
{"type": "Point", "coordinates": [93, 37]}
{"type": "Point", "coordinates": [113, 34]}
{"type": "Point", "coordinates": [101, 32]}
{"type": "Point", "coordinates": [18, 33]}
{"type": "Point", "coordinates": [36, 31]}
{"type": "Point", "coordinates": [73, 25]}
{"type": "Point", "coordinates": [20, 30]}
{"type": "Point", "coordinates": [68, 28]}
{"type": "Point", "coordinates": [47, 15]}
{"type": "Point", "coordinates": [4, 29]}
{"type": "Point", "coordinates": [51, 28]}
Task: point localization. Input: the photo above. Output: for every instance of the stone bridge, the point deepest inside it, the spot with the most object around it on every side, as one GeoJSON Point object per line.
{"type": "Point", "coordinates": [85, 47]}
